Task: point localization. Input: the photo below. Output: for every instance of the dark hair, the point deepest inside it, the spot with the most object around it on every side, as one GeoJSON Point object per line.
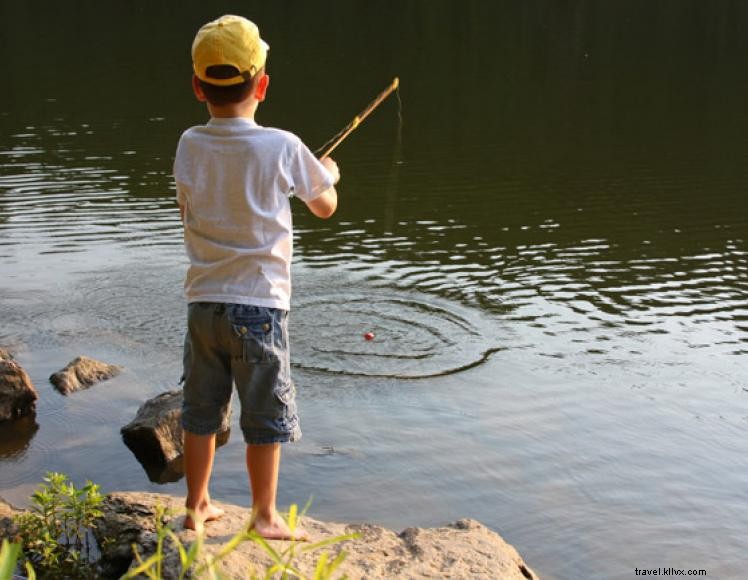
{"type": "Point", "coordinates": [218, 95]}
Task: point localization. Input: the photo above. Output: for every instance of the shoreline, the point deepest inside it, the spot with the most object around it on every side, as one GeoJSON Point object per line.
{"type": "Point", "coordinates": [463, 549]}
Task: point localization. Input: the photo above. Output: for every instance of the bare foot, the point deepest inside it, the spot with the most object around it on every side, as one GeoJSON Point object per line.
{"type": "Point", "coordinates": [198, 516]}
{"type": "Point", "coordinates": [277, 529]}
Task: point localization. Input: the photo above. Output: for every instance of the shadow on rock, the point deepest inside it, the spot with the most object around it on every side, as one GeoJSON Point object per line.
{"type": "Point", "coordinates": [164, 473]}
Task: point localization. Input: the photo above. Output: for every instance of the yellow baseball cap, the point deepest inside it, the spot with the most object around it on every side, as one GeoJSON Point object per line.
{"type": "Point", "coordinates": [229, 40]}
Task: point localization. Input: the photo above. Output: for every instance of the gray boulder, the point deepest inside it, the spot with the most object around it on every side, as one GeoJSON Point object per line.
{"type": "Point", "coordinates": [155, 436]}
{"type": "Point", "coordinates": [464, 549]}
{"type": "Point", "coordinates": [81, 373]}
{"type": "Point", "coordinates": [17, 393]}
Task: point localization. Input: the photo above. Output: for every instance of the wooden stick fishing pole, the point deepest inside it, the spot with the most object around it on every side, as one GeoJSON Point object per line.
{"type": "Point", "coordinates": [330, 146]}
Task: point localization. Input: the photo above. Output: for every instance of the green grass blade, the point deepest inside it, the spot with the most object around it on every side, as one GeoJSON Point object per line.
{"type": "Point", "coordinates": [226, 549]}
{"type": "Point", "coordinates": [9, 554]}
{"type": "Point", "coordinates": [30, 574]}
{"type": "Point", "coordinates": [320, 569]}
{"type": "Point", "coordinates": [186, 557]}
{"type": "Point", "coordinates": [145, 567]}
{"type": "Point", "coordinates": [293, 511]}
{"type": "Point", "coordinates": [307, 505]}
{"type": "Point", "coordinates": [336, 563]}
{"type": "Point", "coordinates": [262, 542]}
{"type": "Point", "coordinates": [330, 542]}
{"type": "Point", "coordinates": [232, 544]}
{"type": "Point", "coordinates": [214, 574]}
{"type": "Point", "coordinates": [194, 552]}
{"type": "Point", "coordinates": [180, 548]}
{"type": "Point", "coordinates": [286, 569]}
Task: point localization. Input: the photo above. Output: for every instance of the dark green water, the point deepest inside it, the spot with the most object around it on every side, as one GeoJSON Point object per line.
{"type": "Point", "coordinates": [550, 249]}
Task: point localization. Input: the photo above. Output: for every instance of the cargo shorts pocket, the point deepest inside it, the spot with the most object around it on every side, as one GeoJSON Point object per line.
{"type": "Point", "coordinates": [285, 392]}
{"type": "Point", "coordinates": [253, 330]}
{"type": "Point", "coordinates": [285, 399]}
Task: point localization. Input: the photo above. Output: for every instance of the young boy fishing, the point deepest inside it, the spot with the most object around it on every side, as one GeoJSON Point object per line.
{"type": "Point", "coordinates": [234, 179]}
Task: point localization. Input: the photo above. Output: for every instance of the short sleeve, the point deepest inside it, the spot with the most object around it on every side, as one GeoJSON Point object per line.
{"type": "Point", "coordinates": [309, 178]}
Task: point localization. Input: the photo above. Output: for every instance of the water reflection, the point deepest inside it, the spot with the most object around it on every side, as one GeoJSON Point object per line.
{"type": "Point", "coordinates": [146, 449]}
{"type": "Point", "coordinates": [16, 436]}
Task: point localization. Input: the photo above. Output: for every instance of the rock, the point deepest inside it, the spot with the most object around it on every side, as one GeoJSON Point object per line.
{"type": "Point", "coordinates": [7, 525]}
{"type": "Point", "coordinates": [81, 373]}
{"type": "Point", "coordinates": [155, 436]}
{"type": "Point", "coordinates": [466, 549]}
{"type": "Point", "coordinates": [17, 393]}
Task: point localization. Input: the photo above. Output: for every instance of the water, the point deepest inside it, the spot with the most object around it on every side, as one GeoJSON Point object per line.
{"type": "Point", "coordinates": [550, 250]}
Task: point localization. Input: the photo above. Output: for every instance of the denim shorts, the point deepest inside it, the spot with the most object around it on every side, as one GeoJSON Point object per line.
{"type": "Point", "coordinates": [245, 345]}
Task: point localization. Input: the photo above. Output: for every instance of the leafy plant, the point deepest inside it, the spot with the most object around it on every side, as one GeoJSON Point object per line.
{"type": "Point", "coordinates": [56, 531]}
{"type": "Point", "coordinates": [56, 541]}
{"type": "Point", "coordinates": [198, 565]}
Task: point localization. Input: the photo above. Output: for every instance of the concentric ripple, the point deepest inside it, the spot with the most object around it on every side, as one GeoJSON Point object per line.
{"type": "Point", "coordinates": [414, 336]}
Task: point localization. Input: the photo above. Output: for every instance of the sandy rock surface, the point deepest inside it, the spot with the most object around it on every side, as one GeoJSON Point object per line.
{"type": "Point", "coordinates": [464, 549]}
{"type": "Point", "coordinates": [81, 373]}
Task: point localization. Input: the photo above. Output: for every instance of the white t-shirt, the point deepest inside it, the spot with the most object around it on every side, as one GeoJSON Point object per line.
{"type": "Point", "coordinates": [234, 179]}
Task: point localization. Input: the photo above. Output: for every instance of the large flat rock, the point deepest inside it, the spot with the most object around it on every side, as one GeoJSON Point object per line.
{"type": "Point", "coordinates": [464, 549]}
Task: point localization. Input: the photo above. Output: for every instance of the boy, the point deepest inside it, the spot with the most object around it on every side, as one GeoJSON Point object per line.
{"type": "Point", "coordinates": [234, 179]}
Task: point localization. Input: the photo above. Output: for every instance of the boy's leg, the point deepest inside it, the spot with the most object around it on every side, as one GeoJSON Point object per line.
{"type": "Point", "coordinates": [205, 410]}
{"type": "Point", "coordinates": [263, 463]}
{"type": "Point", "coordinates": [199, 451]}
{"type": "Point", "coordinates": [268, 408]}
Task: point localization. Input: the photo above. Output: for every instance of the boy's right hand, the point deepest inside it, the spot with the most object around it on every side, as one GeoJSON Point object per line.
{"type": "Point", "coordinates": [332, 167]}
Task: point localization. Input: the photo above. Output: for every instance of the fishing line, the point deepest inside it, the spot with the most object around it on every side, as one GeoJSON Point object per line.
{"type": "Point", "coordinates": [392, 187]}
{"type": "Point", "coordinates": [400, 118]}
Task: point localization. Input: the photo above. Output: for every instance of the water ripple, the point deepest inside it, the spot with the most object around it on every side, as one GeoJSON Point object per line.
{"type": "Point", "coordinates": [413, 338]}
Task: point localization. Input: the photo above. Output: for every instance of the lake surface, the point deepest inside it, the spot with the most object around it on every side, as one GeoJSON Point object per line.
{"type": "Point", "coordinates": [548, 240]}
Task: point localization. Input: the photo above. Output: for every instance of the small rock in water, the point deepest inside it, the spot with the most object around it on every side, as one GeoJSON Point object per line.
{"type": "Point", "coordinates": [81, 373]}
{"type": "Point", "coordinates": [369, 335]}
{"type": "Point", "coordinates": [17, 393]}
{"type": "Point", "coordinates": [155, 436]}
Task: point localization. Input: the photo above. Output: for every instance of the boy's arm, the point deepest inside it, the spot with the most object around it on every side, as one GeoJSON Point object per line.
{"type": "Point", "coordinates": [181, 212]}
{"type": "Point", "coordinates": [325, 204]}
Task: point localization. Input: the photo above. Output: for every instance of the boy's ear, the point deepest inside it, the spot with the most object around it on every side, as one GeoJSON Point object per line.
{"type": "Point", "coordinates": [262, 87]}
{"type": "Point", "coordinates": [198, 90]}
